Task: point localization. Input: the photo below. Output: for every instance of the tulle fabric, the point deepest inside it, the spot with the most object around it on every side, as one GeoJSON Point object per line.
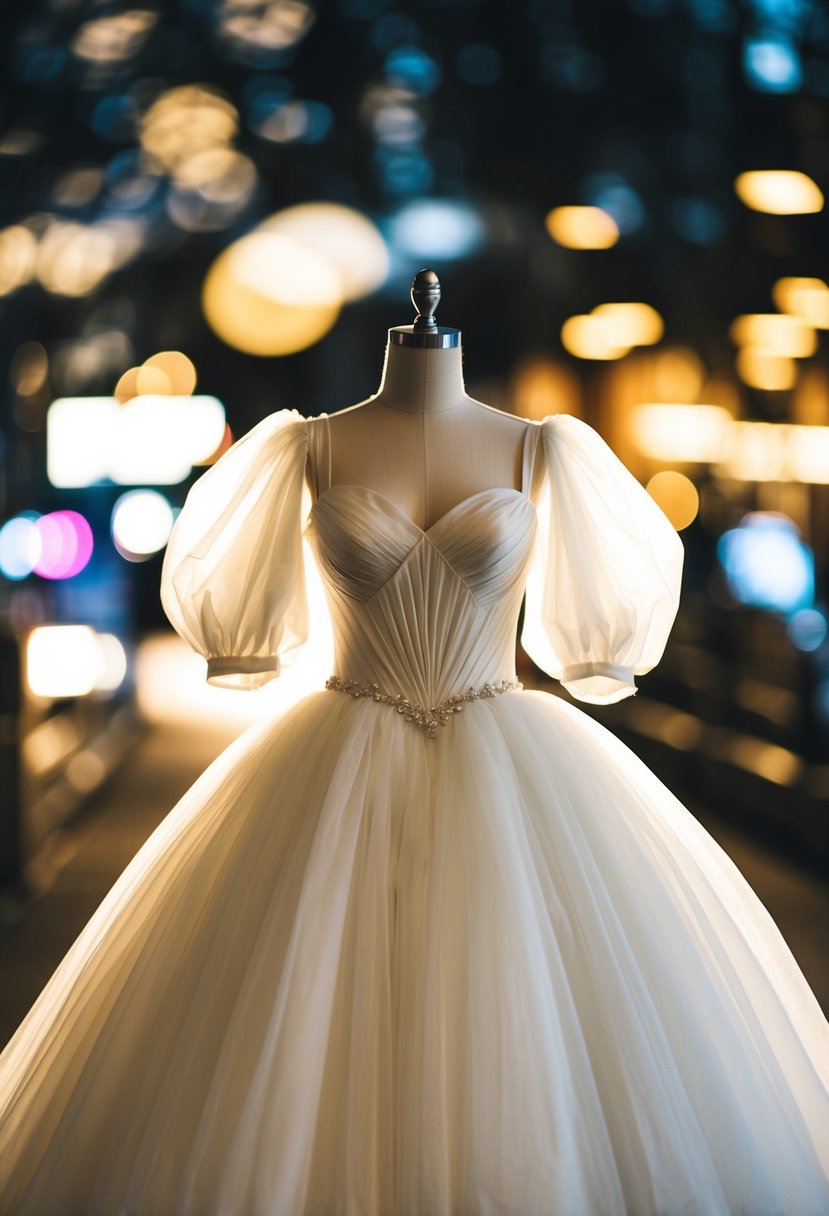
{"type": "Point", "coordinates": [603, 589]}
{"type": "Point", "coordinates": [358, 972]}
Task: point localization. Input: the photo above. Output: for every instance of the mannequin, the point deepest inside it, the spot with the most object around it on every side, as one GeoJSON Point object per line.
{"type": "Point", "coordinates": [421, 440]}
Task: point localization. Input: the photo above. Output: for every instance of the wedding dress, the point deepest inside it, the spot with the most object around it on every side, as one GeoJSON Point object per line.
{"type": "Point", "coordinates": [425, 944]}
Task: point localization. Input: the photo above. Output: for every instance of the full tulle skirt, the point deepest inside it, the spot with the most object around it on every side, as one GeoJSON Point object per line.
{"type": "Point", "coordinates": [360, 972]}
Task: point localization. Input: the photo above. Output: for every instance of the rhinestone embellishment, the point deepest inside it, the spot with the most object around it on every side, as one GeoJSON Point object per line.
{"type": "Point", "coordinates": [426, 718]}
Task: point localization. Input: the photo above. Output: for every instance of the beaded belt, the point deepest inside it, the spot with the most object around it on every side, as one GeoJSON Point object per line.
{"type": "Point", "coordinates": [426, 718]}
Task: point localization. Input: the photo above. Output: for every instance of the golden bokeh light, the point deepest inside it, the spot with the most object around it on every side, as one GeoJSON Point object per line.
{"type": "Point", "coordinates": [632, 323]}
{"type": "Point", "coordinates": [342, 236]}
{"type": "Point", "coordinates": [677, 495]}
{"type": "Point", "coordinates": [760, 368]}
{"type": "Point", "coordinates": [61, 661]}
{"type": "Point", "coordinates": [805, 298]}
{"type": "Point", "coordinates": [776, 333]}
{"type": "Point", "coordinates": [590, 337]}
{"type": "Point", "coordinates": [18, 258]}
{"type": "Point", "coordinates": [582, 227]}
{"type": "Point", "coordinates": [541, 387]}
{"type": "Point", "coordinates": [73, 259]}
{"type": "Point", "coordinates": [682, 433]}
{"type": "Point", "coordinates": [127, 386]}
{"type": "Point", "coordinates": [114, 38]}
{"type": "Point", "coordinates": [779, 192]}
{"type": "Point", "coordinates": [152, 380]}
{"type": "Point", "coordinates": [179, 370]}
{"type": "Point", "coordinates": [186, 120]}
{"type": "Point", "coordinates": [677, 374]}
{"type": "Point", "coordinates": [268, 294]}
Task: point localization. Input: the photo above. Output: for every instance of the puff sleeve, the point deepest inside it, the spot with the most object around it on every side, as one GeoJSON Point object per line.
{"type": "Point", "coordinates": [604, 583]}
{"type": "Point", "coordinates": [233, 580]}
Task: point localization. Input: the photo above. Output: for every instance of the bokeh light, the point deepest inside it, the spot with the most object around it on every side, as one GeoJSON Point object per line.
{"type": "Point", "coordinates": [761, 368]}
{"type": "Point", "coordinates": [691, 433]}
{"type": "Point", "coordinates": [112, 663]}
{"type": "Point", "coordinates": [806, 298]}
{"type": "Point", "coordinates": [66, 544]}
{"type": "Point", "coordinates": [345, 238]}
{"type": "Point", "coordinates": [20, 546]}
{"type": "Point", "coordinates": [807, 629]}
{"type": "Point", "coordinates": [590, 337]}
{"type": "Point", "coordinates": [141, 523]}
{"type": "Point", "coordinates": [779, 191]}
{"type": "Point", "coordinates": [582, 227]}
{"type": "Point", "coordinates": [268, 294]}
{"type": "Point", "coordinates": [774, 334]}
{"type": "Point", "coordinates": [677, 495]}
{"type": "Point", "coordinates": [437, 228]}
{"type": "Point", "coordinates": [767, 564]}
{"type": "Point", "coordinates": [61, 661]}
{"type": "Point", "coordinates": [631, 324]}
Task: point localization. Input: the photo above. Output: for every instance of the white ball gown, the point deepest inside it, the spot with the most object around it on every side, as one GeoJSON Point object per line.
{"type": "Point", "coordinates": [362, 971]}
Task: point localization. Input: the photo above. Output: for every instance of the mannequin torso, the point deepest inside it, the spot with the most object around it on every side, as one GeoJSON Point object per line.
{"type": "Point", "coordinates": [422, 442]}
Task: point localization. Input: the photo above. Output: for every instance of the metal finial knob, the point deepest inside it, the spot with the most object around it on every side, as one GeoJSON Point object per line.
{"type": "Point", "coordinates": [425, 297]}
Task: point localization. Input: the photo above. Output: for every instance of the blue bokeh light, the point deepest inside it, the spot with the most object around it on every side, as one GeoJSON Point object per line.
{"type": "Point", "coordinates": [767, 564]}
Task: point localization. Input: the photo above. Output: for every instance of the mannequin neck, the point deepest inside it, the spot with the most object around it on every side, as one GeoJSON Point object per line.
{"type": "Point", "coordinates": [422, 381]}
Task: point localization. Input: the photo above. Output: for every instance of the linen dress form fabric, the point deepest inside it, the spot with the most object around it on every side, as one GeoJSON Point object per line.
{"type": "Point", "coordinates": [362, 972]}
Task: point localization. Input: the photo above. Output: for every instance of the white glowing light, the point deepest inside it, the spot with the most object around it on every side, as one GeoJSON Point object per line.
{"type": "Point", "coordinates": [682, 432]}
{"type": "Point", "coordinates": [141, 523]}
{"type": "Point", "coordinates": [345, 238]}
{"type": "Point", "coordinates": [437, 228]}
{"type": "Point", "coordinates": [112, 663]}
{"type": "Point", "coordinates": [152, 440]}
{"type": "Point", "coordinates": [21, 546]}
{"type": "Point", "coordinates": [62, 661]}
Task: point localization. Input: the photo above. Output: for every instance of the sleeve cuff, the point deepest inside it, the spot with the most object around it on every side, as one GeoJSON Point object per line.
{"type": "Point", "coordinates": [599, 683]}
{"type": "Point", "coordinates": [242, 671]}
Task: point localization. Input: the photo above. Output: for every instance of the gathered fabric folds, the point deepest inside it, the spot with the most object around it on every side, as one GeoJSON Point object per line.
{"type": "Point", "coordinates": [363, 971]}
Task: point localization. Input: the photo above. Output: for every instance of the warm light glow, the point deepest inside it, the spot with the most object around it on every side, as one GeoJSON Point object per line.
{"type": "Point", "coordinates": [268, 294]}
{"type": "Point", "coordinates": [757, 367]}
{"type": "Point", "coordinates": [141, 524]}
{"type": "Point", "coordinates": [807, 454]}
{"type": "Point", "coordinates": [62, 661]}
{"type": "Point", "coordinates": [349, 241]}
{"type": "Point", "coordinates": [694, 433]}
{"type": "Point", "coordinates": [804, 298]}
{"type": "Point", "coordinates": [152, 380]}
{"type": "Point", "coordinates": [779, 192]}
{"type": "Point", "coordinates": [179, 370]}
{"type": "Point", "coordinates": [541, 387]}
{"type": "Point", "coordinates": [590, 337]}
{"type": "Point", "coordinates": [187, 120]}
{"type": "Point", "coordinates": [774, 333]}
{"type": "Point", "coordinates": [631, 324]}
{"type": "Point", "coordinates": [582, 227]}
{"type": "Point", "coordinates": [107, 40]}
{"type": "Point", "coordinates": [18, 258]}
{"type": "Point", "coordinates": [677, 495]}
{"type": "Point", "coordinates": [127, 386]}
{"type": "Point", "coordinates": [74, 258]}
{"type": "Point", "coordinates": [112, 663]}
{"type": "Point", "coordinates": [150, 440]}
{"type": "Point", "coordinates": [757, 452]}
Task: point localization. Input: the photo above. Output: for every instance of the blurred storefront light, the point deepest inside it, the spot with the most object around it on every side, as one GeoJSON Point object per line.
{"type": "Point", "coordinates": [779, 191]}
{"type": "Point", "coordinates": [767, 564]}
{"type": "Point", "coordinates": [806, 298]}
{"type": "Point", "coordinates": [141, 524]}
{"type": "Point", "coordinates": [774, 333]}
{"type": "Point", "coordinates": [632, 323]}
{"type": "Point", "coordinates": [61, 661]}
{"type": "Point", "coordinates": [153, 440]}
{"type": "Point", "coordinates": [590, 337]}
{"type": "Point", "coordinates": [268, 294]}
{"type": "Point", "coordinates": [682, 433]}
{"type": "Point", "coordinates": [582, 227]}
{"type": "Point", "coordinates": [761, 368]}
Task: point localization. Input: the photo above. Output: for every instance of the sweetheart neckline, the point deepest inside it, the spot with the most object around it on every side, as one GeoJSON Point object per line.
{"type": "Point", "coordinates": [464, 502]}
